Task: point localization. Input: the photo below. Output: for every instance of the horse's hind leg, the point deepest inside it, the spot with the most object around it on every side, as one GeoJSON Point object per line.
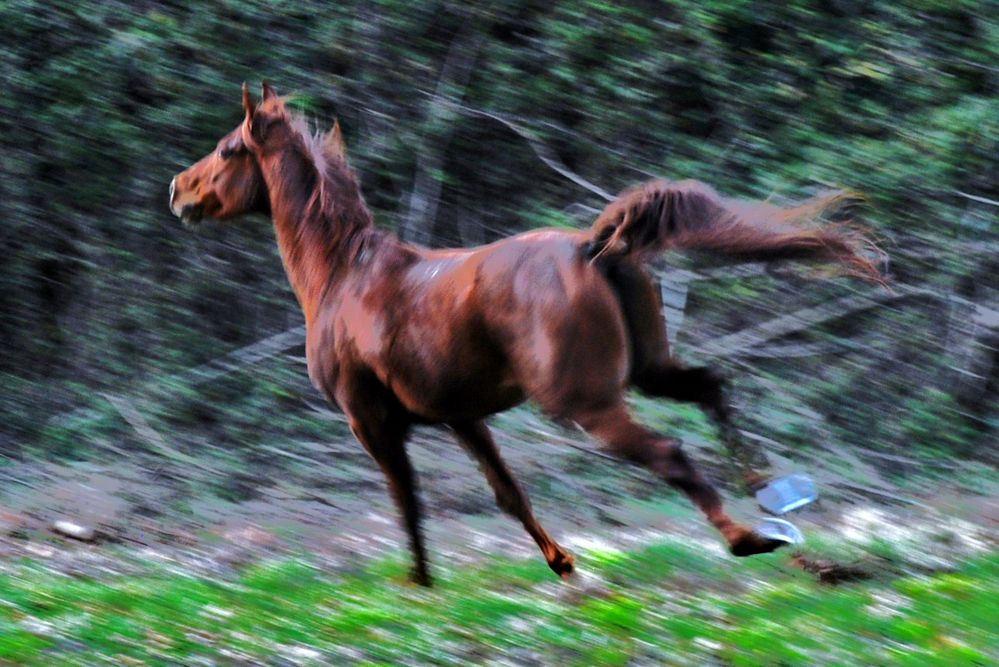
{"type": "Point", "coordinates": [655, 373]}
{"type": "Point", "coordinates": [664, 457]}
{"type": "Point", "coordinates": [706, 387]}
{"type": "Point", "coordinates": [475, 437]}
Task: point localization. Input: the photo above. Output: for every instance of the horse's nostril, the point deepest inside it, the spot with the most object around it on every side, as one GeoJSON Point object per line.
{"type": "Point", "coordinates": [191, 213]}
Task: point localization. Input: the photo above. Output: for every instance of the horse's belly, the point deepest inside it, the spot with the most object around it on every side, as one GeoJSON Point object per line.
{"type": "Point", "coordinates": [451, 394]}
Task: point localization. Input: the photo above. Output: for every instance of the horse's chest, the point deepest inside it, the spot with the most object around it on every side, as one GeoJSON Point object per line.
{"type": "Point", "coordinates": [352, 337]}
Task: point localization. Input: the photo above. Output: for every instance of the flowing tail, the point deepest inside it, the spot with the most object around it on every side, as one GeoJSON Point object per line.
{"type": "Point", "coordinates": [689, 215]}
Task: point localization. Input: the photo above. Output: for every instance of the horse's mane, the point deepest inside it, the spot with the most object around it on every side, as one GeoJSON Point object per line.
{"type": "Point", "coordinates": [337, 193]}
{"type": "Point", "coordinates": [335, 210]}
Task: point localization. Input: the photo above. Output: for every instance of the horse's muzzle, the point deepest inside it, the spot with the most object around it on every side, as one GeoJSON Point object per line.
{"type": "Point", "coordinates": [189, 214]}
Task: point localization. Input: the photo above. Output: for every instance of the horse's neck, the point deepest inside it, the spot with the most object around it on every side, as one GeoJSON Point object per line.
{"type": "Point", "coordinates": [316, 242]}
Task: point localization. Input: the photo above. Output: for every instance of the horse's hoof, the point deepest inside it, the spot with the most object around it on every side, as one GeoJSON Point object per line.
{"type": "Point", "coordinates": [752, 545]}
{"type": "Point", "coordinates": [420, 578]}
{"type": "Point", "coordinates": [563, 565]}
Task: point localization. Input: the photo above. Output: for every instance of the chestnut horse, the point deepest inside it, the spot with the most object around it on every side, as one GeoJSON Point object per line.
{"type": "Point", "coordinates": [401, 335]}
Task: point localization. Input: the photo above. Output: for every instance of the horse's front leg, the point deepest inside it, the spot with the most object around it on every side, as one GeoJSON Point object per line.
{"type": "Point", "coordinates": [387, 448]}
{"type": "Point", "coordinates": [381, 425]}
{"type": "Point", "coordinates": [707, 388]}
{"type": "Point", "coordinates": [510, 497]}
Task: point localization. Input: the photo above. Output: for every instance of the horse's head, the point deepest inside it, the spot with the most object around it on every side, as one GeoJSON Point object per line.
{"type": "Point", "coordinates": [227, 182]}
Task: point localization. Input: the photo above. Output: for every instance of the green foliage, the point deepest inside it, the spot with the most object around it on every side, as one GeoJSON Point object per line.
{"type": "Point", "coordinates": [934, 422]}
{"type": "Point", "coordinates": [105, 101]}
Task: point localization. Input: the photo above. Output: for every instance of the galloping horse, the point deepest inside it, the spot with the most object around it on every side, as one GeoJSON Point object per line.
{"type": "Point", "coordinates": [401, 335]}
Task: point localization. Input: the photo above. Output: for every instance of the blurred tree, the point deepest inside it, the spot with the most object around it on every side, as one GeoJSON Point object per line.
{"type": "Point", "coordinates": [105, 101]}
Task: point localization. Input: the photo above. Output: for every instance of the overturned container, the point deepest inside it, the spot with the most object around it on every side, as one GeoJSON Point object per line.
{"type": "Point", "coordinates": [788, 493]}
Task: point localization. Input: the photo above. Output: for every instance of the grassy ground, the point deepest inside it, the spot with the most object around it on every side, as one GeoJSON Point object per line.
{"type": "Point", "coordinates": [927, 573]}
{"type": "Point", "coordinates": [664, 603]}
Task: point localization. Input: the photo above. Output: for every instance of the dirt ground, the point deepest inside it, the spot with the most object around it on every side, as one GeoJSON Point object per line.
{"type": "Point", "coordinates": [329, 500]}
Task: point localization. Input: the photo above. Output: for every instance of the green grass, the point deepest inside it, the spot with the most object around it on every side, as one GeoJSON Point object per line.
{"type": "Point", "coordinates": [664, 604]}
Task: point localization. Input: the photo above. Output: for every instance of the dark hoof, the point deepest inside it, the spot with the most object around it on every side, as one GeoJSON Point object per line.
{"type": "Point", "coordinates": [563, 565]}
{"type": "Point", "coordinates": [752, 544]}
{"type": "Point", "coordinates": [420, 578]}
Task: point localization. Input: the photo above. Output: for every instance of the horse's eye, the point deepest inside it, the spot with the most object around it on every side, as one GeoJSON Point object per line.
{"type": "Point", "coordinates": [225, 153]}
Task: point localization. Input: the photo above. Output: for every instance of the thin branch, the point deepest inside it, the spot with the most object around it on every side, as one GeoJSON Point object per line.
{"type": "Point", "coordinates": [244, 356]}
{"type": "Point", "coordinates": [803, 319]}
{"type": "Point", "coordinates": [218, 367]}
{"type": "Point", "coordinates": [156, 441]}
{"type": "Point", "coordinates": [794, 351]}
{"type": "Point", "coordinates": [977, 198]}
{"type": "Point", "coordinates": [890, 494]}
{"type": "Point", "coordinates": [544, 153]}
{"type": "Point", "coordinates": [936, 463]}
{"type": "Point", "coordinates": [589, 211]}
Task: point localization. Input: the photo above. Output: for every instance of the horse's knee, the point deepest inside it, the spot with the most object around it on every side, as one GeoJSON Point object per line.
{"type": "Point", "coordinates": [702, 385]}
{"type": "Point", "coordinates": [649, 450]}
{"type": "Point", "coordinates": [709, 379]}
{"type": "Point", "coordinates": [677, 469]}
{"type": "Point", "coordinates": [713, 387]}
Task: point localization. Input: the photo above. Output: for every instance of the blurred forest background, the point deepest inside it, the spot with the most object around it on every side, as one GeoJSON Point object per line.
{"type": "Point", "coordinates": [468, 122]}
{"type": "Point", "coordinates": [154, 401]}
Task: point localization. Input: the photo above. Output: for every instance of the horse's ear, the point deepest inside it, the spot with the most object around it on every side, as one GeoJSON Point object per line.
{"type": "Point", "coordinates": [267, 91]}
{"type": "Point", "coordinates": [334, 141]}
{"type": "Point", "coordinates": [248, 106]}
{"type": "Point", "coordinates": [246, 128]}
